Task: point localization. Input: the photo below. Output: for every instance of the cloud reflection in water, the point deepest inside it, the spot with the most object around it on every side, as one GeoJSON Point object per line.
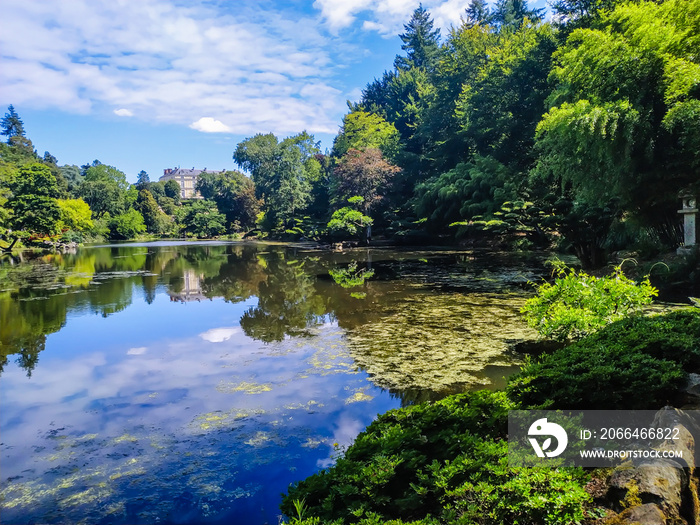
{"type": "Point", "coordinates": [149, 433]}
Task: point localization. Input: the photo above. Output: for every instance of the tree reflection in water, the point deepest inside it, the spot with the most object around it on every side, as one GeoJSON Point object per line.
{"type": "Point", "coordinates": [422, 324]}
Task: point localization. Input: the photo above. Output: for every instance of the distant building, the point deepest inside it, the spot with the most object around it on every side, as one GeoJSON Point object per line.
{"type": "Point", "coordinates": [187, 179]}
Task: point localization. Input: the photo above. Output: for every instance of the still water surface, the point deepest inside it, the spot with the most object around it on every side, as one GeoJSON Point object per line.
{"type": "Point", "coordinates": [192, 382]}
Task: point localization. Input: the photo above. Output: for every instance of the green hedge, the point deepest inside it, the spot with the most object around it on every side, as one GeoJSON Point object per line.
{"type": "Point", "coordinates": [635, 363]}
{"type": "Point", "coordinates": [445, 461]}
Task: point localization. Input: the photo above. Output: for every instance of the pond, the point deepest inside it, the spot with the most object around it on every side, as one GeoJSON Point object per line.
{"type": "Point", "coordinates": [192, 382]}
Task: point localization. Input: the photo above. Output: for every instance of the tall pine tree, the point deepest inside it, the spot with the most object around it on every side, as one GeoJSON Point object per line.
{"type": "Point", "coordinates": [420, 41]}
{"type": "Point", "coordinates": [12, 125]}
{"type": "Point", "coordinates": [513, 12]}
{"type": "Point", "coordinates": [478, 12]}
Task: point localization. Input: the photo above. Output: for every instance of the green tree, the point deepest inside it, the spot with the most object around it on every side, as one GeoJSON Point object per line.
{"type": "Point", "coordinates": [478, 12]}
{"type": "Point", "coordinates": [102, 197]}
{"type": "Point", "coordinates": [172, 190]}
{"type": "Point", "coordinates": [85, 167]}
{"type": "Point", "coordinates": [72, 176]}
{"type": "Point", "coordinates": [470, 190]}
{"type": "Point", "coordinates": [201, 218]}
{"type": "Point", "coordinates": [234, 195]}
{"type": "Point", "coordinates": [376, 96]}
{"type": "Point", "coordinates": [148, 207]}
{"type": "Point", "coordinates": [582, 10]}
{"type": "Point", "coordinates": [49, 159]}
{"type": "Point", "coordinates": [104, 188]}
{"type": "Point", "coordinates": [514, 12]}
{"type": "Point", "coordinates": [75, 214]}
{"type": "Point", "coordinates": [107, 173]}
{"type": "Point", "coordinates": [349, 221]}
{"type": "Point", "coordinates": [420, 42]}
{"type": "Point", "coordinates": [142, 180]}
{"type": "Point", "coordinates": [33, 202]}
{"type": "Point", "coordinates": [467, 52]}
{"type": "Point", "coordinates": [499, 109]}
{"type": "Point", "coordinates": [12, 125]}
{"type": "Point", "coordinates": [127, 225]}
{"type": "Point", "coordinates": [622, 123]}
{"type": "Point", "coordinates": [362, 130]}
{"type": "Point", "coordinates": [280, 171]}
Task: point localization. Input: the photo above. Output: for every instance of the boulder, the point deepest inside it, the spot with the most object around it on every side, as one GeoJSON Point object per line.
{"type": "Point", "coordinates": [647, 514]}
{"type": "Point", "coordinates": [660, 482]}
{"type": "Point", "coordinates": [669, 417]}
{"type": "Point", "coordinates": [692, 386]}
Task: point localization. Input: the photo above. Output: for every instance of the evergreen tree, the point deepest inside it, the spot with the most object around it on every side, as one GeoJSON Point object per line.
{"type": "Point", "coordinates": [142, 180]}
{"type": "Point", "coordinates": [420, 41]}
{"type": "Point", "coordinates": [50, 159]}
{"type": "Point", "coordinates": [513, 12]}
{"type": "Point", "coordinates": [582, 10]}
{"type": "Point", "coordinates": [146, 204]}
{"type": "Point", "coordinates": [12, 125]}
{"type": "Point", "coordinates": [478, 12]}
{"type": "Point", "coordinates": [85, 167]}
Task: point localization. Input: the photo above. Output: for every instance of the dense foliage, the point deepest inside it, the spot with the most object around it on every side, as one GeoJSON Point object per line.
{"type": "Point", "coordinates": [635, 363]}
{"type": "Point", "coordinates": [438, 463]}
{"type": "Point", "coordinates": [578, 304]}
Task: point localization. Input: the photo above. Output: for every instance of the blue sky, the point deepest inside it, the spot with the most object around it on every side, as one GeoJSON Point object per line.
{"type": "Point", "coordinates": [152, 84]}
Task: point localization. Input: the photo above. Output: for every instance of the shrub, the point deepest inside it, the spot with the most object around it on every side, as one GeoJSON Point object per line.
{"type": "Point", "coordinates": [578, 304]}
{"type": "Point", "coordinates": [438, 463]}
{"type": "Point", "coordinates": [636, 363]}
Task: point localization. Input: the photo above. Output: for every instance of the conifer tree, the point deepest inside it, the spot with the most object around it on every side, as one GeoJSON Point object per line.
{"type": "Point", "coordinates": [478, 12]}
{"type": "Point", "coordinates": [420, 41]}
{"type": "Point", "coordinates": [12, 125]}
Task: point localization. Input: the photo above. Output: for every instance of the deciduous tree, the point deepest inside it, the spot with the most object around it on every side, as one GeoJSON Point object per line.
{"type": "Point", "coordinates": [365, 174]}
{"type": "Point", "coordinates": [280, 171]}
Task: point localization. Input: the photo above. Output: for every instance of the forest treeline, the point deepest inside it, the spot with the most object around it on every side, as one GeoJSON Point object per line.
{"type": "Point", "coordinates": [579, 131]}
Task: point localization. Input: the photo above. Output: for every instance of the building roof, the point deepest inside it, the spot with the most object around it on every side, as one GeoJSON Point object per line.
{"type": "Point", "coordinates": [184, 171]}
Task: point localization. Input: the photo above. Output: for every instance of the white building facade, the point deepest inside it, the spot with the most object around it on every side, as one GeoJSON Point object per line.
{"type": "Point", "coordinates": [187, 179]}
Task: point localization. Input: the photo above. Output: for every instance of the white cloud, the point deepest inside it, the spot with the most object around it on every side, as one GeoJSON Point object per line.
{"type": "Point", "coordinates": [219, 335]}
{"type": "Point", "coordinates": [137, 351]}
{"type": "Point", "coordinates": [210, 125]}
{"type": "Point", "coordinates": [243, 64]}
{"type": "Point", "coordinates": [387, 17]}
{"type": "Point", "coordinates": [341, 13]}
{"type": "Point", "coordinates": [171, 62]}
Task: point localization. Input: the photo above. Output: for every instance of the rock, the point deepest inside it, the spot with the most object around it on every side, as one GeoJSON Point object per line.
{"type": "Point", "coordinates": [669, 417]}
{"type": "Point", "coordinates": [661, 482]}
{"type": "Point", "coordinates": [692, 387]}
{"type": "Point", "coordinates": [647, 514]}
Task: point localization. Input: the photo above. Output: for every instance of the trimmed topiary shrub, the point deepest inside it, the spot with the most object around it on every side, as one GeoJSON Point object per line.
{"type": "Point", "coordinates": [635, 363]}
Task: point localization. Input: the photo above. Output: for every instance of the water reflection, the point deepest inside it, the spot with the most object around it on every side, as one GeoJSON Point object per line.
{"type": "Point", "coordinates": [191, 383]}
{"type": "Point", "coordinates": [443, 302]}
